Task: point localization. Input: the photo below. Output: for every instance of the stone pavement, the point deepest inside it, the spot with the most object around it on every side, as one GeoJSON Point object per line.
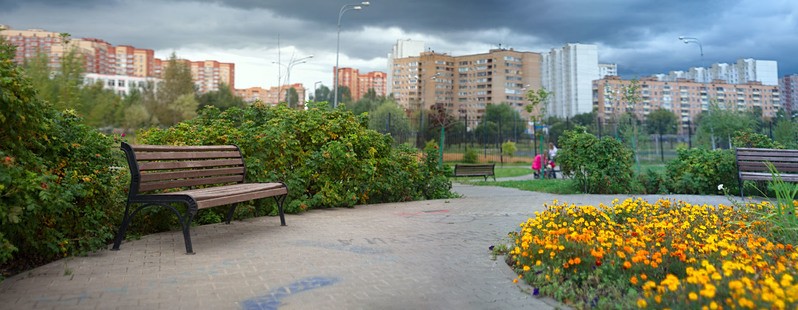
{"type": "Point", "coordinates": [415, 255]}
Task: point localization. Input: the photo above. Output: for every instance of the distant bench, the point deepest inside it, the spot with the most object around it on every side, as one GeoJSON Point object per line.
{"type": "Point", "coordinates": [475, 170]}
{"type": "Point", "coordinates": [751, 164]}
{"type": "Point", "coordinates": [198, 176]}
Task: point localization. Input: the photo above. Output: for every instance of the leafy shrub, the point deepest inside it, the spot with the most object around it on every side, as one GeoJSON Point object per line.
{"type": "Point", "coordinates": [700, 171]}
{"type": "Point", "coordinates": [756, 140]}
{"type": "Point", "coordinates": [327, 158]}
{"type": "Point", "coordinates": [509, 148]}
{"type": "Point", "coordinates": [597, 165]}
{"type": "Point", "coordinates": [653, 182]}
{"type": "Point", "coordinates": [61, 195]}
{"type": "Point", "coordinates": [471, 156]}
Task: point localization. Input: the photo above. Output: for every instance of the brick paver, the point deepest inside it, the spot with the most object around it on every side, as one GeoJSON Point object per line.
{"type": "Point", "coordinates": [415, 255]}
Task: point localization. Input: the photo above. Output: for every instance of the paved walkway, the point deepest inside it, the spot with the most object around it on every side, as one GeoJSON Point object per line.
{"type": "Point", "coordinates": [415, 255]}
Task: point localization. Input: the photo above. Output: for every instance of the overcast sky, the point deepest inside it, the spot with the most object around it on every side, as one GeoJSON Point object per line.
{"type": "Point", "coordinates": [641, 36]}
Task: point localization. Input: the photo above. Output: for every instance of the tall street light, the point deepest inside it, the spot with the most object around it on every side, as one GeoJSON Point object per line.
{"type": "Point", "coordinates": [688, 40]}
{"type": "Point", "coordinates": [290, 65]}
{"type": "Point", "coordinates": [344, 9]}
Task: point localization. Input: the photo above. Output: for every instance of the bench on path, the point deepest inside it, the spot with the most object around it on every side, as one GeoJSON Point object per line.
{"type": "Point", "coordinates": [751, 164]}
{"type": "Point", "coordinates": [475, 170]}
{"type": "Point", "coordinates": [197, 176]}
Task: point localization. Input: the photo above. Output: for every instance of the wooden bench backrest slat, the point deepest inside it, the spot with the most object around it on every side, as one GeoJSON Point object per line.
{"type": "Point", "coordinates": [172, 148]}
{"type": "Point", "coordinates": [170, 165]}
{"type": "Point", "coordinates": [151, 186]}
{"type": "Point", "coordinates": [763, 157]}
{"type": "Point", "coordinates": [142, 156]}
{"type": "Point", "coordinates": [187, 174]}
{"type": "Point", "coordinates": [760, 166]}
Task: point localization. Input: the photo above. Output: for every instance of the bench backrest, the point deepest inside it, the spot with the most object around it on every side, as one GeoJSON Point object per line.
{"type": "Point", "coordinates": [159, 167]}
{"type": "Point", "coordinates": [474, 168]}
{"type": "Point", "coordinates": [753, 160]}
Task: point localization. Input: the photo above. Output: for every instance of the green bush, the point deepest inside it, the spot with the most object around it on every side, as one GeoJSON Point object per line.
{"type": "Point", "coordinates": [700, 171]}
{"type": "Point", "coordinates": [599, 166]}
{"type": "Point", "coordinates": [61, 192]}
{"type": "Point", "coordinates": [755, 140]}
{"type": "Point", "coordinates": [327, 158]}
{"type": "Point", "coordinates": [471, 156]}
{"type": "Point", "coordinates": [653, 182]}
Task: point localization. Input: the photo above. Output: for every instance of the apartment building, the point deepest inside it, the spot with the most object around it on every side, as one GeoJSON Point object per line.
{"type": "Point", "coordinates": [465, 85]}
{"type": "Point", "coordinates": [273, 95]}
{"type": "Point", "coordinates": [685, 98]}
{"type": "Point", "coordinates": [567, 74]}
{"type": "Point", "coordinates": [788, 86]}
{"type": "Point", "coordinates": [102, 58]}
{"type": "Point", "coordinates": [402, 49]}
{"type": "Point", "coordinates": [741, 72]}
{"type": "Point", "coordinates": [359, 84]}
{"type": "Point", "coordinates": [120, 84]}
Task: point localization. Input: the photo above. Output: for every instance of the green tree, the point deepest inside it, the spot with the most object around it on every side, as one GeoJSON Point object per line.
{"type": "Point", "coordinates": [292, 97]}
{"type": "Point", "coordinates": [322, 93]}
{"type": "Point", "coordinates": [537, 98]}
{"type": "Point", "coordinates": [223, 99]}
{"type": "Point", "coordinates": [177, 82]}
{"type": "Point", "coordinates": [724, 120]}
{"type": "Point", "coordinates": [389, 118]}
{"type": "Point", "coordinates": [786, 132]}
{"type": "Point", "coordinates": [100, 106]}
{"type": "Point", "coordinates": [661, 121]}
{"type": "Point", "coordinates": [344, 95]}
{"type": "Point", "coordinates": [506, 121]}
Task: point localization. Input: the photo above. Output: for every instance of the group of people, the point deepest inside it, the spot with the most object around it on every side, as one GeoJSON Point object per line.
{"type": "Point", "coordinates": [547, 158]}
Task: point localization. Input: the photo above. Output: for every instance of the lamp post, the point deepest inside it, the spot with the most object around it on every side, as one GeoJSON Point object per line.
{"type": "Point", "coordinates": [344, 9]}
{"type": "Point", "coordinates": [688, 40]}
{"type": "Point", "coordinates": [290, 65]}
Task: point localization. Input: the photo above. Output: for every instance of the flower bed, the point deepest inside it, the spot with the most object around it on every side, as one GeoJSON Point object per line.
{"type": "Point", "coordinates": [661, 255]}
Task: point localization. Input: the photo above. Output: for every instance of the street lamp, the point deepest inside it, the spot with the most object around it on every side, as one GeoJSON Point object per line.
{"type": "Point", "coordinates": [688, 40]}
{"type": "Point", "coordinates": [290, 65]}
{"type": "Point", "coordinates": [343, 10]}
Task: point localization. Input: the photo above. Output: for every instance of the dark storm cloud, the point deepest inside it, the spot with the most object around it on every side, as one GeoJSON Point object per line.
{"type": "Point", "coordinates": [640, 36]}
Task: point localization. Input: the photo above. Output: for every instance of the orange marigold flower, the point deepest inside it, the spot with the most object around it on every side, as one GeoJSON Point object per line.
{"type": "Point", "coordinates": [627, 265]}
{"type": "Point", "coordinates": [633, 280]}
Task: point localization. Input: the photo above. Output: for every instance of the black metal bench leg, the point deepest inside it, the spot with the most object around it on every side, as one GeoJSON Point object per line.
{"type": "Point", "coordinates": [230, 212]}
{"type": "Point", "coordinates": [186, 225]}
{"type": "Point", "coordinates": [120, 235]}
{"type": "Point", "coordinates": [280, 201]}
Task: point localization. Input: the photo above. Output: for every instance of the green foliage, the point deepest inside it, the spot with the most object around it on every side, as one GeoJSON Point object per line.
{"type": "Point", "coordinates": [700, 171]}
{"type": "Point", "coordinates": [223, 98]}
{"type": "Point", "coordinates": [388, 117]}
{"type": "Point", "coordinates": [724, 122]}
{"type": "Point", "coordinates": [499, 120]}
{"type": "Point", "coordinates": [598, 166]}
{"type": "Point", "coordinates": [786, 133]}
{"type": "Point", "coordinates": [508, 148]}
{"type": "Point", "coordinates": [653, 182]}
{"type": "Point", "coordinates": [751, 139]}
{"type": "Point", "coordinates": [327, 158]}
{"type": "Point", "coordinates": [61, 195]}
{"type": "Point", "coordinates": [471, 156]}
{"type": "Point", "coordinates": [661, 121]}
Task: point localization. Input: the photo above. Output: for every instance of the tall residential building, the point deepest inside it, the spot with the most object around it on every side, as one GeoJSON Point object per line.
{"type": "Point", "coordinates": [273, 95]}
{"type": "Point", "coordinates": [102, 58]}
{"type": "Point", "coordinates": [685, 98]}
{"type": "Point", "coordinates": [465, 85]}
{"type": "Point", "coordinates": [402, 49]}
{"type": "Point", "coordinates": [568, 73]}
{"type": "Point", "coordinates": [788, 85]}
{"type": "Point", "coordinates": [359, 84]}
{"type": "Point", "coordinates": [606, 70]}
{"type": "Point", "coordinates": [743, 71]}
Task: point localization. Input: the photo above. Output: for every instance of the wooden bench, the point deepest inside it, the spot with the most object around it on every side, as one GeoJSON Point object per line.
{"type": "Point", "coordinates": [751, 164]}
{"type": "Point", "coordinates": [197, 176]}
{"type": "Point", "coordinates": [475, 170]}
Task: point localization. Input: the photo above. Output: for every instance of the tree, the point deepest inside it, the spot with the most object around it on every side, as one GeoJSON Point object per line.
{"type": "Point", "coordinates": [724, 121]}
{"type": "Point", "coordinates": [661, 121]}
{"type": "Point", "coordinates": [293, 98]}
{"type": "Point", "coordinates": [506, 121]}
{"type": "Point", "coordinates": [344, 94]}
{"type": "Point", "coordinates": [786, 132]}
{"type": "Point", "coordinates": [222, 99]}
{"type": "Point", "coordinates": [322, 93]}
{"type": "Point", "coordinates": [391, 119]}
{"type": "Point", "coordinates": [537, 100]}
{"type": "Point", "coordinates": [177, 82]}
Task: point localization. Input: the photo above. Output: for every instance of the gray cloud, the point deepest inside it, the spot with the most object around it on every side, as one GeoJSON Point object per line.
{"type": "Point", "coordinates": [640, 36]}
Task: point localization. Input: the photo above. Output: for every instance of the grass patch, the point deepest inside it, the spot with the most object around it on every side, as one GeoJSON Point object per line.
{"type": "Point", "coordinates": [512, 171]}
{"type": "Point", "coordinates": [557, 186]}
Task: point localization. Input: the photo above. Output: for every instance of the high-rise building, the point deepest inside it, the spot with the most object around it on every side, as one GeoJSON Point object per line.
{"type": "Point", "coordinates": [607, 70]}
{"type": "Point", "coordinates": [743, 71]}
{"type": "Point", "coordinates": [106, 60]}
{"type": "Point", "coordinates": [788, 86]}
{"type": "Point", "coordinates": [683, 97]}
{"type": "Point", "coordinates": [464, 85]}
{"type": "Point", "coordinates": [567, 74]}
{"type": "Point", "coordinates": [359, 84]}
{"type": "Point", "coordinates": [402, 49]}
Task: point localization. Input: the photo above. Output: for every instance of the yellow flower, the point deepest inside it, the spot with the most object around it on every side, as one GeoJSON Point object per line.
{"type": "Point", "coordinates": [641, 303]}
{"type": "Point", "coordinates": [692, 296]}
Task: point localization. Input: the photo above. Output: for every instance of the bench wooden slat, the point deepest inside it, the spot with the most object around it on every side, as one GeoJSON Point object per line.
{"type": "Point", "coordinates": [188, 174]}
{"type": "Point", "coordinates": [751, 164]}
{"type": "Point", "coordinates": [186, 155]}
{"type": "Point", "coordinates": [151, 186]}
{"type": "Point", "coordinates": [761, 166]}
{"type": "Point", "coordinates": [172, 148]}
{"type": "Point", "coordinates": [171, 165]}
{"type": "Point", "coordinates": [785, 159]}
{"type": "Point", "coordinates": [234, 198]}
